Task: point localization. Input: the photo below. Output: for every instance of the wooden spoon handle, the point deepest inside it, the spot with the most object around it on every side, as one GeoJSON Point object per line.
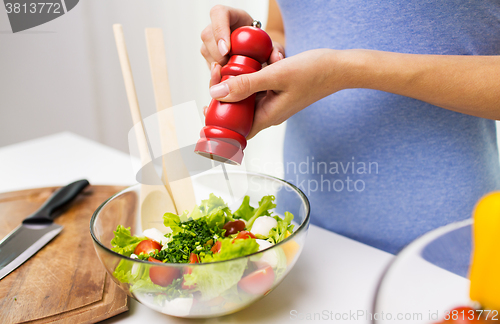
{"type": "Point", "coordinates": [155, 199]}
{"type": "Point", "coordinates": [182, 190]}
{"type": "Point", "coordinates": [131, 94]}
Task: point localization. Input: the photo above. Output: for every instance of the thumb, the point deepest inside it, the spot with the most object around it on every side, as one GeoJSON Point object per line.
{"type": "Point", "coordinates": [242, 86]}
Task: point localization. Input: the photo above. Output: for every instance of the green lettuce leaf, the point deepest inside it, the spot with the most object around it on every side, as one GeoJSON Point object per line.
{"type": "Point", "coordinates": [173, 221]}
{"type": "Point", "coordinates": [265, 204]}
{"type": "Point", "coordinates": [123, 271]}
{"type": "Point", "coordinates": [129, 272]}
{"type": "Point", "coordinates": [278, 233]}
{"type": "Point", "coordinates": [147, 286]}
{"type": "Point", "coordinates": [232, 294]}
{"type": "Point", "coordinates": [137, 275]}
{"type": "Point", "coordinates": [214, 209]}
{"type": "Point", "coordinates": [281, 266]}
{"type": "Point", "coordinates": [216, 279]}
{"type": "Point", "coordinates": [123, 242]}
{"type": "Point", "coordinates": [229, 250]}
{"type": "Point", "coordinates": [245, 211]}
{"type": "Point", "coordinates": [219, 217]}
{"type": "Point", "coordinates": [207, 206]}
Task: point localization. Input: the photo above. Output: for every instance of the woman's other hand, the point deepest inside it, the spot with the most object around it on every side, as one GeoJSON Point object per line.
{"type": "Point", "coordinates": [290, 85]}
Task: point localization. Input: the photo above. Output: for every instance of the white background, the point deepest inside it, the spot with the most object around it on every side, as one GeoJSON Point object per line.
{"type": "Point", "coordinates": [65, 76]}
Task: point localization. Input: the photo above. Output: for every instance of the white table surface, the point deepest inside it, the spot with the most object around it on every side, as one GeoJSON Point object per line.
{"type": "Point", "coordinates": [333, 274]}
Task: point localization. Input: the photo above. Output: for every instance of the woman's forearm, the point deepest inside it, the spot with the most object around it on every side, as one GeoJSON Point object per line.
{"type": "Point", "coordinates": [465, 84]}
{"type": "Point", "coordinates": [274, 26]}
{"type": "Point", "coordinates": [277, 37]}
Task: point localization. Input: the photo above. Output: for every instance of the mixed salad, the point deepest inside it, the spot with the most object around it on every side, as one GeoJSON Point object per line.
{"type": "Point", "coordinates": [209, 234]}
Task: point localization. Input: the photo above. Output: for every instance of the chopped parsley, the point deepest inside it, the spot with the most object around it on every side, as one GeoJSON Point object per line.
{"type": "Point", "coordinates": [195, 237]}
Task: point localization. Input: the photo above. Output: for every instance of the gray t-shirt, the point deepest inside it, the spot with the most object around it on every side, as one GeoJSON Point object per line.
{"type": "Point", "coordinates": [381, 168]}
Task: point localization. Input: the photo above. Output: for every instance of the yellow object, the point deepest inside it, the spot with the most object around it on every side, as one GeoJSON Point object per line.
{"type": "Point", "coordinates": [485, 268]}
{"type": "Point", "coordinates": [290, 248]}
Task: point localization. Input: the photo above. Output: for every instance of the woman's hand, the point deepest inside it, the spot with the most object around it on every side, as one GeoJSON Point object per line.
{"type": "Point", "coordinates": [466, 84]}
{"type": "Point", "coordinates": [291, 85]}
{"type": "Point", "coordinates": [216, 38]}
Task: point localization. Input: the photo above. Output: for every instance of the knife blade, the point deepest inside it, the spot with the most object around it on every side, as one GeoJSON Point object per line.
{"type": "Point", "coordinates": [37, 229]}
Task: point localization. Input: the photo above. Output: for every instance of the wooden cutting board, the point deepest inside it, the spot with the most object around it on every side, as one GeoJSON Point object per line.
{"type": "Point", "coordinates": [64, 282]}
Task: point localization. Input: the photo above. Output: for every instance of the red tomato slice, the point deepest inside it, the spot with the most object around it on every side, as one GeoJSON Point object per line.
{"type": "Point", "coordinates": [243, 235]}
{"type": "Point", "coordinates": [258, 282]}
{"type": "Point", "coordinates": [163, 276]}
{"type": "Point", "coordinates": [216, 247]}
{"type": "Point", "coordinates": [193, 258]}
{"type": "Point", "coordinates": [147, 246]}
{"type": "Point", "coordinates": [151, 259]}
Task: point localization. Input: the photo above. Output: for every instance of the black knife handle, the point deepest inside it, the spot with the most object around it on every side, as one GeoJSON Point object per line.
{"type": "Point", "coordinates": [58, 200]}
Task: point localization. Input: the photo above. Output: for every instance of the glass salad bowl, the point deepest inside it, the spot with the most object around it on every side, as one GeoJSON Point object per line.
{"type": "Point", "coordinates": [428, 278]}
{"type": "Point", "coordinates": [218, 288]}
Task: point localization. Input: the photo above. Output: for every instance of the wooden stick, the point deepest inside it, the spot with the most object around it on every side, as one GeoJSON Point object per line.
{"type": "Point", "coordinates": [155, 200]}
{"type": "Point", "coordinates": [182, 189]}
{"type": "Point", "coordinates": [131, 94]}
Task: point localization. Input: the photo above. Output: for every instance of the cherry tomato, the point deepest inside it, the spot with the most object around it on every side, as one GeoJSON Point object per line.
{"type": "Point", "coordinates": [193, 258]}
{"type": "Point", "coordinates": [216, 247]}
{"type": "Point", "coordinates": [258, 282]}
{"type": "Point", "coordinates": [162, 276]}
{"type": "Point", "coordinates": [252, 42]}
{"type": "Point", "coordinates": [147, 246]}
{"type": "Point", "coordinates": [243, 235]}
{"type": "Point", "coordinates": [234, 227]}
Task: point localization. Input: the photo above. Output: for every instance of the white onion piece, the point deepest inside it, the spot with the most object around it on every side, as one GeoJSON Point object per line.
{"type": "Point", "coordinates": [263, 225]}
{"type": "Point", "coordinates": [155, 235]}
{"type": "Point", "coordinates": [263, 244]}
{"type": "Point", "coordinates": [269, 257]}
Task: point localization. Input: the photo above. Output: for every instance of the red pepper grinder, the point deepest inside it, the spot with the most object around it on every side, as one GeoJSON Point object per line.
{"type": "Point", "coordinates": [228, 123]}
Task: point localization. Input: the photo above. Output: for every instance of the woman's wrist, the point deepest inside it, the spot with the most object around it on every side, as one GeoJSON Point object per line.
{"type": "Point", "coordinates": [462, 83]}
{"type": "Point", "coordinates": [352, 68]}
{"type": "Point", "coordinates": [277, 37]}
{"type": "Point", "coordinates": [341, 69]}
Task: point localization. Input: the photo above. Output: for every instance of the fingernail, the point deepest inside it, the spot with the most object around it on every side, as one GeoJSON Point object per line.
{"type": "Point", "coordinates": [219, 90]}
{"type": "Point", "coordinates": [222, 47]}
{"type": "Point", "coordinates": [280, 56]}
{"type": "Point", "coordinates": [212, 66]}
